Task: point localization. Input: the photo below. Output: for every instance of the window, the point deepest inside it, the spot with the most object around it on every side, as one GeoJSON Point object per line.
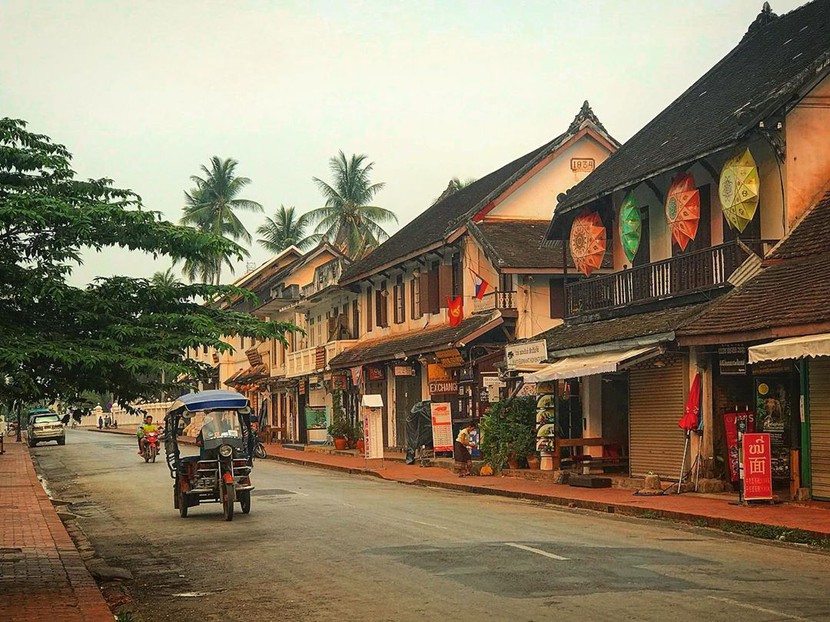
{"type": "Point", "coordinates": [415, 296]}
{"type": "Point", "coordinates": [457, 277]}
{"type": "Point", "coordinates": [204, 350]}
{"type": "Point", "coordinates": [355, 319]}
{"type": "Point", "coordinates": [242, 341]}
{"type": "Point", "coordinates": [369, 310]}
{"type": "Point", "coordinates": [381, 306]}
{"type": "Point", "coordinates": [400, 300]}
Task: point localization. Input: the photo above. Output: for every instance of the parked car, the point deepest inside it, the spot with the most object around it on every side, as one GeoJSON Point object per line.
{"type": "Point", "coordinates": [45, 427]}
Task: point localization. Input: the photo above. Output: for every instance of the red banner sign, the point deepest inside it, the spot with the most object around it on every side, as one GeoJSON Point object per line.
{"type": "Point", "coordinates": [757, 466]}
{"type": "Point", "coordinates": [730, 422]}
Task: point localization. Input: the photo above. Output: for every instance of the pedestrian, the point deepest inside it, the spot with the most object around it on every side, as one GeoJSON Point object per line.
{"type": "Point", "coordinates": [461, 453]}
{"type": "Point", "coordinates": [100, 422]}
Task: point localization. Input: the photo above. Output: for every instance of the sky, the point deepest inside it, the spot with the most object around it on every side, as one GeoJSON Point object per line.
{"type": "Point", "coordinates": [145, 91]}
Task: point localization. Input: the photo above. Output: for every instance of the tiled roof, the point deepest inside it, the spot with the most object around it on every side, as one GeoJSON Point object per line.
{"type": "Point", "coordinates": [784, 295]}
{"type": "Point", "coordinates": [810, 237]}
{"type": "Point", "coordinates": [416, 342]}
{"type": "Point", "coordinates": [439, 220]}
{"type": "Point", "coordinates": [756, 78]}
{"type": "Point", "coordinates": [521, 244]}
{"type": "Point", "coordinates": [579, 335]}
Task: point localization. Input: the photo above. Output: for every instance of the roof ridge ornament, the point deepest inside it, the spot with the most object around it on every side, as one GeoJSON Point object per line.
{"type": "Point", "coordinates": [766, 16]}
{"type": "Point", "coordinates": [585, 115]}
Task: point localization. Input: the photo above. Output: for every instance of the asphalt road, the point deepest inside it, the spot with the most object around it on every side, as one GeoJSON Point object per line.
{"type": "Point", "coordinates": [320, 545]}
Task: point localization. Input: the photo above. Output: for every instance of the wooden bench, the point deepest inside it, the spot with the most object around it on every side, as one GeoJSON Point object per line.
{"type": "Point", "coordinates": [613, 453]}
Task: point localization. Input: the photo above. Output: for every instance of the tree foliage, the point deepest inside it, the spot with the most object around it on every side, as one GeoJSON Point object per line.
{"type": "Point", "coordinates": [348, 219]}
{"type": "Point", "coordinates": [283, 230]}
{"type": "Point", "coordinates": [210, 207]}
{"type": "Point", "coordinates": [118, 334]}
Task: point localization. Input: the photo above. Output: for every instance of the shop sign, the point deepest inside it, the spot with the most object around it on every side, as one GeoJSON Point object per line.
{"type": "Point", "coordinates": [757, 455]}
{"type": "Point", "coordinates": [526, 353]}
{"type": "Point", "coordinates": [450, 358]}
{"type": "Point", "coordinates": [403, 370]}
{"type": "Point", "coordinates": [302, 388]}
{"type": "Point", "coordinates": [466, 375]}
{"type": "Point", "coordinates": [375, 373]}
{"type": "Point", "coordinates": [338, 381]}
{"type": "Point", "coordinates": [490, 386]}
{"type": "Point", "coordinates": [732, 359]}
{"type": "Point", "coordinates": [440, 380]}
{"type": "Point", "coordinates": [733, 422]}
{"type": "Point", "coordinates": [441, 426]}
{"type": "Point", "coordinates": [316, 418]}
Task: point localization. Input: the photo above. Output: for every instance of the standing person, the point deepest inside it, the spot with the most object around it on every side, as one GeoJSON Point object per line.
{"type": "Point", "coordinates": [100, 422]}
{"type": "Point", "coordinates": [463, 442]}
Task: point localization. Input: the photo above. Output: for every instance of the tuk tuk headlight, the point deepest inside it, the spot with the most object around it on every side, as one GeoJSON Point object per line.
{"type": "Point", "coordinates": [226, 451]}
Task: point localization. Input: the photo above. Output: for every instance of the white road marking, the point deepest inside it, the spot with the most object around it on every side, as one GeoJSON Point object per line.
{"type": "Point", "coordinates": [756, 608]}
{"type": "Point", "coordinates": [537, 551]}
{"type": "Point", "coordinates": [297, 492]}
{"type": "Point", "coordinates": [434, 526]}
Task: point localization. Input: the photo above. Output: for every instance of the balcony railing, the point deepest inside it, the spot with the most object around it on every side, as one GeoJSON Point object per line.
{"type": "Point", "coordinates": [314, 359]}
{"type": "Point", "coordinates": [693, 272]}
{"type": "Point", "coordinates": [501, 300]}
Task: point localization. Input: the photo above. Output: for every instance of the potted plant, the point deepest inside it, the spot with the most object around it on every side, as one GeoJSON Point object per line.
{"type": "Point", "coordinates": [358, 436]}
{"type": "Point", "coordinates": [339, 429]}
{"type": "Point", "coordinates": [508, 432]}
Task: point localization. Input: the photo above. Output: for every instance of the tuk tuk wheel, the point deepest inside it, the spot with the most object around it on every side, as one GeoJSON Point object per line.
{"type": "Point", "coordinates": [227, 501]}
{"type": "Point", "coordinates": [245, 501]}
{"type": "Point", "coordinates": [182, 502]}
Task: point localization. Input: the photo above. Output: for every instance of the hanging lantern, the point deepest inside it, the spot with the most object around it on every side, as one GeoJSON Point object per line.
{"type": "Point", "coordinates": [683, 209]}
{"type": "Point", "coordinates": [588, 242]}
{"type": "Point", "coordinates": [631, 226]}
{"type": "Point", "coordinates": [739, 189]}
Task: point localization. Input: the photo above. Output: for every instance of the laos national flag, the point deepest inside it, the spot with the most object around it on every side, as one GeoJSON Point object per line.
{"type": "Point", "coordinates": [481, 285]}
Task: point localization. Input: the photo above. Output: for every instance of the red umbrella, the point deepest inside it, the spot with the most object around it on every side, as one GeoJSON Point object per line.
{"type": "Point", "coordinates": [691, 418]}
{"type": "Point", "coordinates": [683, 209]}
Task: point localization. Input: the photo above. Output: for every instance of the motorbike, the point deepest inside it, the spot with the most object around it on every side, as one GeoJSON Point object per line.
{"type": "Point", "coordinates": [150, 447]}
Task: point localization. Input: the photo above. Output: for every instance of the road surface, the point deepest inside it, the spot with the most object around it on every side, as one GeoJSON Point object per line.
{"type": "Point", "coordinates": [320, 545]}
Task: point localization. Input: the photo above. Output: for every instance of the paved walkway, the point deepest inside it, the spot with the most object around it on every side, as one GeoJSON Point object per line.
{"type": "Point", "coordinates": [703, 510]}
{"type": "Point", "coordinates": [42, 575]}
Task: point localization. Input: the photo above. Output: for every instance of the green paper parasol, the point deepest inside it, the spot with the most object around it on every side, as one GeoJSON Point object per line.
{"type": "Point", "coordinates": [631, 226]}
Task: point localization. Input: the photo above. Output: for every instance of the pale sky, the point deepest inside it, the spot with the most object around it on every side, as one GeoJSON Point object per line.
{"type": "Point", "coordinates": [145, 91]}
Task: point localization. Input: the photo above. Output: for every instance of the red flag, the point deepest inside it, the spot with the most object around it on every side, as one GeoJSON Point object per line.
{"type": "Point", "coordinates": [456, 310]}
{"type": "Point", "coordinates": [480, 284]}
{"type": "Point", "coordinates": [691, 418]}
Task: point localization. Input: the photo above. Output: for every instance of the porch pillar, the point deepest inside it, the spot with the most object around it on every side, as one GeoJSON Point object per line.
{"type": "Point", "coordinates": [700, 363]}
{"type": "Point", "coordinates": [592, 411]}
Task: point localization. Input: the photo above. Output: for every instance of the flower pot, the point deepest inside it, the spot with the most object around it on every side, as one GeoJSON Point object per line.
{"type": "Point", "coordinates": [533, 462]}
{"type": "Point", "coordinates": [513, 461]}
{"type": "Point", "coordinates": [341, 443]}
{"type": "Point", "coordinates": [361, 445]}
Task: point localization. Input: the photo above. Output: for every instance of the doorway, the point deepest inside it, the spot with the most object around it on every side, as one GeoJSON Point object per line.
{"type": "Point", "coordinates": [407, 394]}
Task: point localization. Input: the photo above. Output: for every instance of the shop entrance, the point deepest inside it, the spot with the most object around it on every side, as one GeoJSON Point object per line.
{"type": "Point", "coordinates": [407, 393]}
{"type": "Point", "coordinates": [615, 414]}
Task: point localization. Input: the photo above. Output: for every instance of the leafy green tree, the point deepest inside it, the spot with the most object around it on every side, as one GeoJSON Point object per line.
{"type": "Point", "coordinates": [348, 219]}
{"type": "Point", "coordinates": [210, 207]}
{"type": "Point", "coordinates": [166, 278]}
{"type": "Point", "coordinates": [117, 335]}
{"type": "Point", "coordinates": [284, 230]}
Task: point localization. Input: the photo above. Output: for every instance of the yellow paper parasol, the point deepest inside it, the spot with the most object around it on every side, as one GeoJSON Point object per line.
{"type": "Point", "coordinates": [738, 190]}
{"type": "Point", "coordinates": [588, 242]}
{"type": "Point", "coordinates": [683, 209]}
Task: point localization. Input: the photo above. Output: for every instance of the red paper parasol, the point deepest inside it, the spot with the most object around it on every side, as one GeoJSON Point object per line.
{"type": "Point", "coordinates": [588, 242]}
{"type": "Point", "coordinates": [683, 209]}
{"type": "Point", "coordinates": [691, 418]}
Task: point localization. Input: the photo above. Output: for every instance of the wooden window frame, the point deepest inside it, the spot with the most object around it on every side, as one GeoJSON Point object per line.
{"type": "Point", "coordinates": [415, 297]}
{"type": "Point", "coordinates": [399, 300]}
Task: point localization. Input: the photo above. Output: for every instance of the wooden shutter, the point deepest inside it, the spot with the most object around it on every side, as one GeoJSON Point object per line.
{"type": "Point", "coordinates": [819, 376]}
{"type": "Point", "coordinates": [657, 399]}
{"type": "Point", "coordinates": [415, 296]}
{"type": "Point", "coordinates": [423, 285]}
{"type": "Point", "coordinates": [355, 319]}
{"type": "Point", "coordinates": [557, 299]}
{"type": "Point", "coordinates": [369, 310]}
{"type": "Point", "coordinates": [444, 285]}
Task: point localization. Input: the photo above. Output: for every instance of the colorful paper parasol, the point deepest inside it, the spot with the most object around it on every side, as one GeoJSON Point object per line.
{"type": "Point", "coordinates": [738, 189]}
{"type": "Point", "coordinates": [683, 209]}
{"type": "Point", "coordinates": [587, 242]}
{"type": "Point", "coordinates": [631, 226]}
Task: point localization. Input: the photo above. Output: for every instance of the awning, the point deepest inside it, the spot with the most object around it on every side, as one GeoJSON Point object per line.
{"type": "Point", "coordinates": [791, 348]}
{"type": "Point", "coordinates": [591, 364]}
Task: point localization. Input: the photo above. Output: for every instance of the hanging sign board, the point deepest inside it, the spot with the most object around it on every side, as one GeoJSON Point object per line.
{"type": "Point", "coordinates": [373, 426]}
{"type": "Point", "coordinates": [316, 418]}
{"type": "Point", "coordinates": [529, 352]}
{"type": "Point", "coordinates": [732, 359]}
{"type": "Point", "coordinates": [450, 358]}
{"type": "Point", "coordinates": [490, 388]}
{"type": "Point", "coordinates": [757, 456]}
{"type": "Point", "coordinates": [375, 373]}
{"type": "Point", "coordinates": [441, 381]}
{"type": "Point", "coordinates": [403, 370]}
{"type": "Point", "coordinates": [441, 426]}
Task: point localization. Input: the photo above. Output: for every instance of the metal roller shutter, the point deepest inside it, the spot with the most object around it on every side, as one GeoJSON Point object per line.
{"type": "Point", "coordinates": [657, 398]}
{"type": "Point", "coordinates": [820, 427]}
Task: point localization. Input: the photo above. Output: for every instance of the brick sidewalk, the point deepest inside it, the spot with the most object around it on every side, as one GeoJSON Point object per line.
{"type": "Point", "coordinates": [703, 510]}
{"type": "Point", "coordinates": [42, 575]}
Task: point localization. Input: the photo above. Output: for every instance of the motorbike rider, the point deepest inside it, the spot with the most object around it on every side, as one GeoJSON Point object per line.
{"type": "Point", "coordinates": [143, 430]}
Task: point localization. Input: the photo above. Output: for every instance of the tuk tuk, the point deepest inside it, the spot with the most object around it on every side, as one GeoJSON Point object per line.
{"type": "Point", "coordinates": [221, 473]}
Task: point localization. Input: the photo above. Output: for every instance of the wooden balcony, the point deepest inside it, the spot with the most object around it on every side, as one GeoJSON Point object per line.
{"type": "Point", "coordinates": [504, 301]}
{"type": "Point", "coordinates": [691, 273]}
{"type": "Point", "coordinates": [314, 359]}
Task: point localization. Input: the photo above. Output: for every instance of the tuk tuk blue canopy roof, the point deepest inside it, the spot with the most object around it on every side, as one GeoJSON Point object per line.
{"type": "Point", "coordinates": [210, 400]}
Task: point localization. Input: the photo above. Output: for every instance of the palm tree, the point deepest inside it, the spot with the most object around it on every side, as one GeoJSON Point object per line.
{"type": "Point", "coordinates": [166, 278]}
{"type": "Point", "coordinates": [210, 207]}
{"type": "Point", "coordinates": [284, 230]}
{"type": "Point", "coordinates": [348, 220]}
